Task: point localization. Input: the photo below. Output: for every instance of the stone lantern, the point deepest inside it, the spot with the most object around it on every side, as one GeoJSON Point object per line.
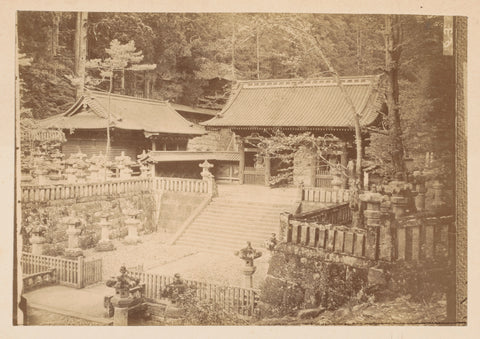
{"type": "Point", "coordinates": [372, 213]}
{"type": "Point", "coordinates": [122, 163]}
{"type": "Point", "coordinates": [73, 231]}
{"type": "Point", "coordinates": [57, 166]}
{"type": "Point", "coordinates": [420, 190]}
{"type": "Point", "coordinates": [205, 166]}
{"type": "Point", "coordinates": [105, 244]}
{"type": "Point", "coordinates": [336, 173]}
{"type": "Point", "coordinates": [38, 239]}
{"type": "Point", "coordinates": [400, 191]}
{"type": "Point", "coordinates": [76, 166]}
{"type": "Point", "coordinates": [248, 254]}
{"type": "Point", "coordinates": [133, 224]}
{"type": "Point", "coordinates": [207, 176]}
{"type": "Point", "coordinates": [122, 299]}
{"type": "Point", "coordinates": [438, 204]}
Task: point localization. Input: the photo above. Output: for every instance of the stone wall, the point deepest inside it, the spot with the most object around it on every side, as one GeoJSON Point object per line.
{"type": "Point", "coordinates": [175, 208]}
{"type": "Point", "coordinates": [303, 278]}
{"type": "Point", "coordinates": [299, 278]}
{"type": "Point", "coordinates": [88, 209]}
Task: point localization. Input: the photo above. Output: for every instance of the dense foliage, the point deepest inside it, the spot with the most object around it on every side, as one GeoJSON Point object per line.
{"type": "Point", "coordinates": [197, 55]}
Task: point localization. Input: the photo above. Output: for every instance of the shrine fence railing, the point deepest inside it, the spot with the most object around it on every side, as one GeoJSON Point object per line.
{"type": "Point", "coordinates": [42, 193]}
{"type": "Point", "coordinates": [73, 273]}
{"type": "Point", "coordinates": [408, 239]}
{"type": "Point", "coordinates": [324, 195]}
{"type": "Point", "coordinates": [233, 299]}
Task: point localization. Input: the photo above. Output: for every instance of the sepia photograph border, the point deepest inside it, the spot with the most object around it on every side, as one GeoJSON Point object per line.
{"type": "Point", "coordinates": [464, 253]}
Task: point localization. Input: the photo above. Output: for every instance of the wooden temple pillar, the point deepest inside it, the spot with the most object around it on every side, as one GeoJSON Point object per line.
{"type": "Point", "coordinates": [154, 144]}
{"type": "Point", "coordinates": [344, 163]}
{"type": "Point", "coordinates": [241, 164]}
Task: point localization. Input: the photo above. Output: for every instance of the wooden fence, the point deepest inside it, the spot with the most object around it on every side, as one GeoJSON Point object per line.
{"type": "Point", "coordinates": [325, 195]}
{"type": "Point", "coordinates": [74, 273]}
{"type": "Point", "coordinates": [92, 272]}
{"type": "Point", "coordinates": [422, 239]}
{"type": "Point", "coordinates": [233, 299]}
{"type": "Point", "coordinates": [40, 193]}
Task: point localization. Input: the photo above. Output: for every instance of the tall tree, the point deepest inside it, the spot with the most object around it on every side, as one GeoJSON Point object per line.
{"type": "Point", "coordinates": [120, 57]}
{"type": "Point", "coordinates": [393, 50]}
{"type": "Point", "coordinates": [80, 51]}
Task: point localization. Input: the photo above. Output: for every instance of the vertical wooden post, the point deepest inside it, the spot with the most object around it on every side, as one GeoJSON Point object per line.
{"type": "Point", "coordinates": [343, 162]}
{"type": "Point", "coordinates": [241, 165]}
{"type": "Point", "coordinates": [80, 273]}
{"type": "Point", "coordinates": [154, 145]}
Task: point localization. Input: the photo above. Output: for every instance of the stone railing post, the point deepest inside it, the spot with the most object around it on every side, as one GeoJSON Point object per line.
{"type": "Point", "coordinates": [372, 212]}
{"type": "Point", "coordinates": [300, 192]}
{"type": "Point", "coordinates": [373, 223]}
{"type": "Point", "coordinates": [81, 276]}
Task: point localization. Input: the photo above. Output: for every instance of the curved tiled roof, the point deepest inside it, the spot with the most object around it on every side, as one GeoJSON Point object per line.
{"type": "Point", "coordinates": [129, 113]}
{"type": "Point", "coordinates": [301, 103]}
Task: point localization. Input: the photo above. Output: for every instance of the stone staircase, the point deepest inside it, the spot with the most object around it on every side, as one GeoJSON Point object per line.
{"type": "Point", "coordinates": [239, 214]}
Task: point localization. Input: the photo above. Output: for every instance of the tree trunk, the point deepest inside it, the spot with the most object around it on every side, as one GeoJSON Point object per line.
{"type": "Point", "coordinates": [233, 48]}
{"type": "Point", "coordinates": [55, 32]}
{"type": "Point", "coordinates": [81, 50]}
{"type": "Point", "coordinates": [393, 49]}
{"type": "Point", "coordinates": [258, 53]}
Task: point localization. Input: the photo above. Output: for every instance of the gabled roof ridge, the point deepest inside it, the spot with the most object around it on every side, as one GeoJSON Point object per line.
{"type": "Point", "coordinates": [128, 97]}
{"type": "Point", "coordinates": [307, 82]}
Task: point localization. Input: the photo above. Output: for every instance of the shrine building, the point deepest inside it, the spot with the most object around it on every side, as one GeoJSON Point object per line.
{"type": "Point", "coordinates": [136, 124]}
{"type": "Point", "coordinates": [261, 107]}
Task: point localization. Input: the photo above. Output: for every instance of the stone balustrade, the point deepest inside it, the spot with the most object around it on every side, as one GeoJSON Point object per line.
{"type": "Point", "coordinates": [115, 187]}
{"type": "Point", "coordinates": [31, 281]}
{"type": "Point", "coordinates": [412, 238]}
{"type": "Point", "coordinates": [340, 214]}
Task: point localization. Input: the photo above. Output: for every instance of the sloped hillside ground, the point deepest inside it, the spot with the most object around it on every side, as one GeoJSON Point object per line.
{"type": "Point", "coordinates": [403, 310]}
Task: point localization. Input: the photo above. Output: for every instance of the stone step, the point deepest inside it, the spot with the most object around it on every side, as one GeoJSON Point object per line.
{"type": "Point", "coordinates": [241, 220]}
{"type": "Point", "coordinates": [219, 210]}
{"type": "Point", "coordinates": [235, 217]}
{"type": "Point", "coordinates": [218, 247]}
{"type": "Point", "coordinates": [234, 223]}
{"type": "Point", "coordinates": [250, 204]}
{"type": "Point", "coordinates": [240, 207]}
{"type": "Point", "coordinates": [231, 246]}
{"type": "Point", "coordinates": [232, 232]}
{"type": "Point", "coordinates": [226, 237]}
